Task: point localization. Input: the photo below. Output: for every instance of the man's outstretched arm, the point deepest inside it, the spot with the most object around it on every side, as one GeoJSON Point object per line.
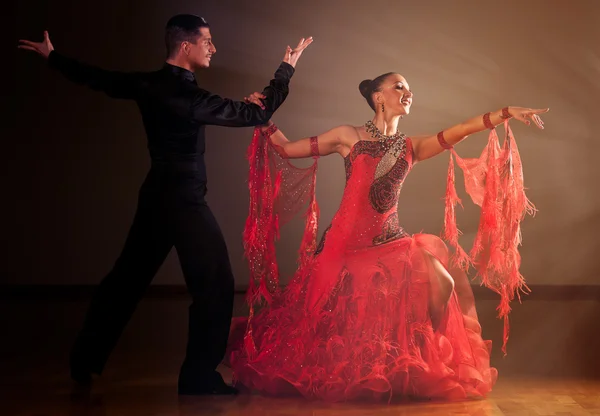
{"type": "Point", "coordinates": [212, 109]}
{"type": "Point", "coordinates": [113, 83]}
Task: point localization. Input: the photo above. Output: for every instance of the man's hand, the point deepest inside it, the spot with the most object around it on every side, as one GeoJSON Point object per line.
{"type": "Point", "coordinates": [292, 55]}
{"type": "Point", "coordinates": [255, 98]}
{"type": "Point", "coordinates": [42, 48]}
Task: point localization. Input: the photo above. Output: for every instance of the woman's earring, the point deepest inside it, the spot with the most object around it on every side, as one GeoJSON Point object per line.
{"type": "Point", "coordinates": [382, 108]}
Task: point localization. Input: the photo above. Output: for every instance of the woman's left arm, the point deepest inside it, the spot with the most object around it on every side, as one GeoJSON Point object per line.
{"type": "Point", "coordinates": [425, 147]}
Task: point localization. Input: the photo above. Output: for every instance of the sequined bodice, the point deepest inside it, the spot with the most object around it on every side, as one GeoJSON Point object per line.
{"type": "Point", "coordinates": [382, 167]}
{"type": "Point", "coordinates": [375, 172]}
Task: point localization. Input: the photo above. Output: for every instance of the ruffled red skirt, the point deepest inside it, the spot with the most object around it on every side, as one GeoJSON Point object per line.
{"type": "Point", "coordinates": [372, 338]}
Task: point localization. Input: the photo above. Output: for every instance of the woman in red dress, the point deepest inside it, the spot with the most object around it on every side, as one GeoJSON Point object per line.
{"type": "Point", "coordinates": [373, 312]}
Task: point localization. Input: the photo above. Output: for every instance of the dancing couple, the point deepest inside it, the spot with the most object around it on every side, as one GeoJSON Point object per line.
{"type": "Point", "coordinates": [372, 311]}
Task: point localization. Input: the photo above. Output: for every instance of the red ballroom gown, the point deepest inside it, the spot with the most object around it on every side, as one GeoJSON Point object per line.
{"type": "Point", "coordinates": [354, 321]}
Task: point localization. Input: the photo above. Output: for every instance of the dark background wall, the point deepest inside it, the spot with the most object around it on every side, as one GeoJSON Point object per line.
{"type": "Point", "coordinates": [73, 159]}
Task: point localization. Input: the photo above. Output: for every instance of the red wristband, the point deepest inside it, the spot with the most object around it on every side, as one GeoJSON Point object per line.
{"type": "Point", "coordinates": [443, 142]}
{"type": "Point", "coordinates": [487, 122]}
{"type": "Point", "coordinates": [505, 114]}
{"type": "Point", "coordinates": [268, 132]}
{"type": "Point", "coordinates": [314, 146]}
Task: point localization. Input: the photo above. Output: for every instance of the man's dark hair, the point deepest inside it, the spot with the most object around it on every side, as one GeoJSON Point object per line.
{"type": "Point", "coordinates": [182, 28]}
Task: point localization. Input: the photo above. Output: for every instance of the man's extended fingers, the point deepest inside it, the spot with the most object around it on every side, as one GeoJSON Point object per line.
{"type": "Point", "coordinates": [304, 43]}
{"type": "Point", "coordinates": [27, 42]}
{"type": "Point", "coordinates": [29, 48]}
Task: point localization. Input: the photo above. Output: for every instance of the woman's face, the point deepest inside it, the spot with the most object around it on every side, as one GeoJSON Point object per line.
{"type": "Point", "coordinates": [395, 95]}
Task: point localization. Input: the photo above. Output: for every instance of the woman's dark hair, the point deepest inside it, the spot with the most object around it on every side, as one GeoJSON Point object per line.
{"type": "Point", "coordinates": [369, 86]}
{"type": "Point", "coordinates": [182, 28]}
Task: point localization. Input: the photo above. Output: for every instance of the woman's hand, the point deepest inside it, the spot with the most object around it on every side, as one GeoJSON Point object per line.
{"type": "Point", "coordinates": [255, 98]}
{"type": "Point", "coordinates": [524, 114]}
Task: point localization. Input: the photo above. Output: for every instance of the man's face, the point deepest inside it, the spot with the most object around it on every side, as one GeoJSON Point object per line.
{"type": "Point", "coordinates": [202, 51]}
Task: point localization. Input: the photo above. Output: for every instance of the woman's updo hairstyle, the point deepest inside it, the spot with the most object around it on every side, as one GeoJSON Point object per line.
{"type": "Point", "coordinates": [369, 86]}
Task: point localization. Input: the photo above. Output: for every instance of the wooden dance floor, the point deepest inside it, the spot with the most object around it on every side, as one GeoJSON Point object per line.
{"type": "Point", "coordinates": [551, 369]}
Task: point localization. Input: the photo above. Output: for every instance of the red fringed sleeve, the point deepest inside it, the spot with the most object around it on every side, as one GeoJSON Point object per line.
{"type": "Point", "coordinates": [271, 176]}
{"type": "Point", "coordinates": [494, 181]}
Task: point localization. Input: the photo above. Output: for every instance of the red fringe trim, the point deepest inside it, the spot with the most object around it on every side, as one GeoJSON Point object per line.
{"type": "Point", "coordinates": [495, 182]}
{"type": "Point", "coordinates": [451, 231]}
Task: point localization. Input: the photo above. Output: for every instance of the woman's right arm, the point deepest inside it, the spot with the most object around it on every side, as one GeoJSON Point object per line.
{"type": "Point", "coordinates": [332, 141]}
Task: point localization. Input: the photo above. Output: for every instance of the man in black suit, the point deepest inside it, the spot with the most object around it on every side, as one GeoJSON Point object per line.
{"type": "Point", "coordinates": [172, 210]}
